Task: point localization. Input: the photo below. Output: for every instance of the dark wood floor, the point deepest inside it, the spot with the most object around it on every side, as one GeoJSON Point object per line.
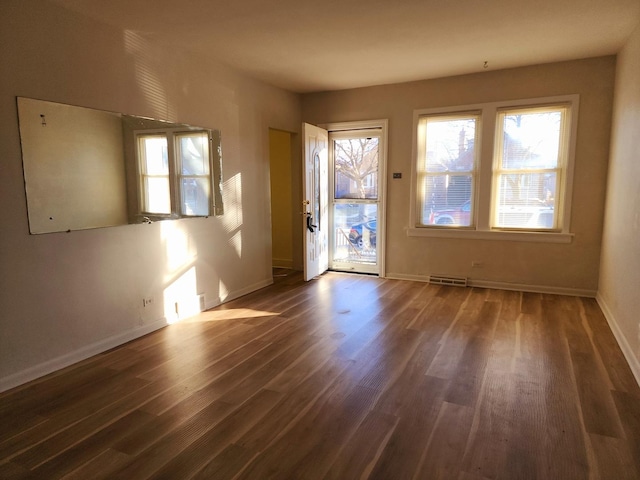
{"type": "Point", "coordinates": [344, 377]}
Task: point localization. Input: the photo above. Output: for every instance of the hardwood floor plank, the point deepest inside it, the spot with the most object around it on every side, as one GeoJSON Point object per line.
{"type": "Point", "coordinates": [403, 452]}
{"type": "Point", "coordinates": [226, 465]}
{"type": "Point", "coordinates": [467, 377]}
{"type": "Point", "coordinates": [360, 453]}
{"type": "Point", "coordinates": [196, 380]}
{"type": "Point", "coordinates": [311, 445]}
{"type": "Point", "coordinates": [628, 407]}
{"type": "Point", "coordinates": [285, 354]}
{"type": "Point", "coordinates": [83, 452]}
{"type": "Point", "coordinates": [486, 451]}
{"type": "Point", "coordinates": [617, 368]}
{"type": "Point", "coordinates": [398, 396]}
{"type": "Point", "coordinates": [40, 443]}
{"type": "Point", "coordinates": [293, 406]}
{"type": "Point", "coordinates": [441, 459]}
{"type": "Point", "coordinates": [100, 467]}
{"type": "Point", "coordinates": [164, 448]}
{"type": "Point", "coordinates": [206, 447]}
{"type": "Point", "coordinates": [346, 376]}
{"type": "Point", "coordinates": [13, 471]}
{"type": "Point", "coordinates": [614, 458]}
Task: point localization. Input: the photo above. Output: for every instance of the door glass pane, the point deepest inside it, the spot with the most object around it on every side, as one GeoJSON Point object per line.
{"type": "Point", "coordinates": [355, 230]}
{"type": "Point", "coordinates": [356, 167]}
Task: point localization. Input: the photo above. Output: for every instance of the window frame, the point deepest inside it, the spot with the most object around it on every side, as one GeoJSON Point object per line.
{"type": "Point", "coordinates": [483, 196]}
{"type": "Point", "coordinates": [175, 173]}
{"type": "Point", "coordinates": [421, 173]}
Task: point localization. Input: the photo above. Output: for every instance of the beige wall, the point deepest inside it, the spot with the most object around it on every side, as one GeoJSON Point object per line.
{"type": "Point", "coordinates": [281, 198]}
{"type": "Point", "coordinates": [619, 288]}
{"type": "Point", "coordinates": [570, 268]}
{"type": "Point", "coordinates": [65, 296]}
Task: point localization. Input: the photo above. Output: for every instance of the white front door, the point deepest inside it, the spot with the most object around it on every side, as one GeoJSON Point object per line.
{"type": "Point", "coordinates": [315, 193]}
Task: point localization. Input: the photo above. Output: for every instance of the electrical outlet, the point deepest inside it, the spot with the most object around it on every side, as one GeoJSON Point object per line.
{"type": "Point", "coordinates": [147, 301]}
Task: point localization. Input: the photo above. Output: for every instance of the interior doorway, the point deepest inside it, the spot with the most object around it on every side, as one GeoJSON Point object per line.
{"type": "Point", "coordinates": [282, 179]}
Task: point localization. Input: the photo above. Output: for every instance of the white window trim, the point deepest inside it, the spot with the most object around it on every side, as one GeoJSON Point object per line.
{"type": "Point", "coordinates": [483, 193]}
{"type": "Point", "coordinates": [174, 175]}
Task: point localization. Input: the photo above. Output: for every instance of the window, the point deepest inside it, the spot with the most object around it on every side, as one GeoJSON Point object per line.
{"type": "Point", "coordinates": [446, 169]}
{"type": "Point", "coordinates": [175, 173]}
{"type": "Point", "coordinates": [529, 164]}
{"type": "Point", "coordinates": [495, 170]}
{"type": "Point", "coordinates": [193, 174]}
{"type": "Point", "coordinates": [154, 173]}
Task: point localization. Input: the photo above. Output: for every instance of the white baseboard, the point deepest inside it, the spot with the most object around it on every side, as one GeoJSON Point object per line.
{"type": "Point", "coordinates": [520, 287]}
{"type": "Point", "coordinates": [55, 364]}
{"type": "Point", "coordinates": [58, 363]}
{"type": "Point", "coordinates": [627, 351]}
{"type": "Point", "coordinates": [239, 293]}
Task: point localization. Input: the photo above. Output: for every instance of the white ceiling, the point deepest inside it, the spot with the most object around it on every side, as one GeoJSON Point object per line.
{"type": "Point", "coordinates": [305, 45]}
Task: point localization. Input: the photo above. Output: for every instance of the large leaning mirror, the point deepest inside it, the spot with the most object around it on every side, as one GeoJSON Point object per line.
{"type": "Point", "coordinates": [87, 168]}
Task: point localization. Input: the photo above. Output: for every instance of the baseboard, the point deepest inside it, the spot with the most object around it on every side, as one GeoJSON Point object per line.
{"type": "Point", "coordinates": [55, 364]}
{"type": "Point", "coordinates": [282, 263]}
{"type": "Point", "coordinates": [520, 287]}
{"type": "Point", "coordinates": [239, 293]}
{"type": "Point", "coordinates": [627, 351]}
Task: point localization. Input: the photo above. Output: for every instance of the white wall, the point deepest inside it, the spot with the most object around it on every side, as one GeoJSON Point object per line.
{"type": "Point", "coordinates": [619, 288]}
{"type": "Point", "coordinates": [65, 296]}
{"type": "Point", "coordinates": [563, 268]}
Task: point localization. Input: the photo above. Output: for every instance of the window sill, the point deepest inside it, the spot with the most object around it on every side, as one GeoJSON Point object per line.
{"type": "Point", "coordinates": [538, 237]}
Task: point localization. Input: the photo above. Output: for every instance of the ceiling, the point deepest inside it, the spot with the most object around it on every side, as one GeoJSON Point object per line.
{"type": "Point", "coordinates": [306, 46]}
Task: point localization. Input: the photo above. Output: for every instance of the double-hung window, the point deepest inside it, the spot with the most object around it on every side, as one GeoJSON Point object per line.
{"type": "Point", "coordinates": [495, 170]}
{"type": "Point", "coordinates": [530, 164]}
{"type": "Point", "coordinates": [175, 173]}
{"type": "Point", "coordinates": [446, 169]}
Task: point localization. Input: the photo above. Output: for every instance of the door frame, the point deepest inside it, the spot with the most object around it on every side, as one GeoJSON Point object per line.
{"type": "Point", "coordinates": [383, 126]}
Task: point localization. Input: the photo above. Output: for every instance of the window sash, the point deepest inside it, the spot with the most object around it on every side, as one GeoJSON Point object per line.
{"type": "Point", "coordinates": [549, 203]}
{"type": "Point", "coordinates": [428, 208]}
{"type": "Point", "coordinates": [194, 188]}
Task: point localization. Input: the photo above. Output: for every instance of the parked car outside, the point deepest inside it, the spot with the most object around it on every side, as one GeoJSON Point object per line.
{"type": "Point", "coordinates": [457, 216]}
{"type": "Point", "coordinates": [356, 233]}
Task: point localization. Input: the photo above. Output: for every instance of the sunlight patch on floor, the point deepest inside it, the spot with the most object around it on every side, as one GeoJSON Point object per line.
{"type": "Point", "coordinates": [230, 314]}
